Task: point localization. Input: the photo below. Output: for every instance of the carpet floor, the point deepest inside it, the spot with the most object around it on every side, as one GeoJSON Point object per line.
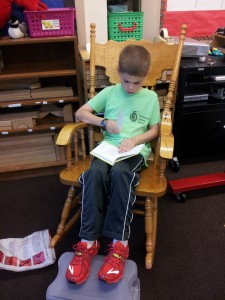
{"type": "Point", "coordinates": [190, 251]}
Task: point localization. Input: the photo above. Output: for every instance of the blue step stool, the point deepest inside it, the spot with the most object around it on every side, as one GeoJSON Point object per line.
{"type": "Point", "coordinates": [128, 288]}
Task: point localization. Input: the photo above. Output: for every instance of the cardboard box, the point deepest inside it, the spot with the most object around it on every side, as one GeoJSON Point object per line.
{"type": "Point", "coordinates": [23, 123]}
{"type": "Point", "coordinates": [5, 125]}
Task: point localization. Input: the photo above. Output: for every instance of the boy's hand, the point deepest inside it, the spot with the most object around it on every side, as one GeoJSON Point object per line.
{"type": "Point", "coordinates": [127, 145]}
{"type": "Point", "coordinates": [112, 127]}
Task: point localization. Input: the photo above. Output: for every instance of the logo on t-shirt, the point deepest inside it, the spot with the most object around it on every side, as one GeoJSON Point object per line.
{"type": "Point", "coordinates": [133, 116]}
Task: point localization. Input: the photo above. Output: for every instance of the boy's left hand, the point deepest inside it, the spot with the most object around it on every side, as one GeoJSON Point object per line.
{"type": "Point", "coordinates": [127, 145]}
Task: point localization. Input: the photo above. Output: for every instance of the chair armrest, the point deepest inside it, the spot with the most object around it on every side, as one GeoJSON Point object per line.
{"type": "Point", "coordinates": [167, 146]}
{"type": "Point", "coordinates": [66, 133]}
{"type": "Point", "coordinates": [167, 138]}
{"type": "Point", "coordinates": [166, 123]}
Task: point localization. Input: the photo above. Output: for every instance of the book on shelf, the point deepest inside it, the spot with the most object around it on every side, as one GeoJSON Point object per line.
{"type": "Point", "coordinates": [110, 153]}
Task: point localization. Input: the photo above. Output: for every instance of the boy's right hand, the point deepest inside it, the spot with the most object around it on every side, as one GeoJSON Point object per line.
{"type": "Point", "coordinates": [112, 127]}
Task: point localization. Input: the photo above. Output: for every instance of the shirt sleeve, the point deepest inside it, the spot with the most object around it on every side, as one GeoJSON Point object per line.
{"type": "Point", "coordinates": [98, 102]}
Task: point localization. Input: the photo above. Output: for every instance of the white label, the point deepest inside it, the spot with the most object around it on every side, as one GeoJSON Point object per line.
{"type": "Point", "coordinates": [61, 101]}
{"type": "Point", "coordinates": [45, 102]}
{"type": "Point", "coordinates": [52, 128]}
{"type": "Point", "coordinates": [5, 132]}
{"type": "Point", "coordinates": [29, 130]}
{"type": "Point", "coordinates": [15, 105]}
{"type": "Point", "coordinates": [50, 24]}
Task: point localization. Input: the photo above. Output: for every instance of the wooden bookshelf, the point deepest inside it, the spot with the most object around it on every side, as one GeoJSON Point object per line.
{"type": "Point", "coordinates": [54, 61]}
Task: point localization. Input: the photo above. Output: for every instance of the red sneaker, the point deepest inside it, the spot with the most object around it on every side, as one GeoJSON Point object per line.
{"type": "Point", "coordinates": [79, 267]}
{"type": "Point", "coordinates": [113, 267]}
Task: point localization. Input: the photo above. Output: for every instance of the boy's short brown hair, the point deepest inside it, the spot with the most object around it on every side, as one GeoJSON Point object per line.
{"type": "Point", "coordinates": [134, 60]}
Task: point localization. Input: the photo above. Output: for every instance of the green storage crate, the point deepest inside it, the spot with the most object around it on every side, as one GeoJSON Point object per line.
{"type": "Point", "coordinates": [125, 25]}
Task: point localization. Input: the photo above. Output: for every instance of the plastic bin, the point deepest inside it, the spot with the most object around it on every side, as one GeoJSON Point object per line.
{"type": "Point", "coordinates": [52, 22]}
{"type": "Point", "coordinates": [94, 289]}
{"type": "Point", "coordinates": [125, 25]}
{"type": "Point", "coordinates": [118, 8]}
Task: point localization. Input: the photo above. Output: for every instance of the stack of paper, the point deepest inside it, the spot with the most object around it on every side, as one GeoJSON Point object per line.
{"type": "Point", "coordinates": [16, 84]}
{"type": "Point", "coordinates": [26, 149]}
{"type": "Point", "coordinates": [48, 92]}
{"type": "Point", "coordinates": [12, 95]}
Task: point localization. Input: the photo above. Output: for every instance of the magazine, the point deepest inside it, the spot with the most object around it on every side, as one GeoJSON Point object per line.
{"type": "Point", "coordinates": [28, 253]}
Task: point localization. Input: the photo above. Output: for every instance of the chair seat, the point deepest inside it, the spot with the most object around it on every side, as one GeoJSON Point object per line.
{"type": "Point", "coordinates": [70, 176]}
{"type": "Point", "coordinates": [150, 185]}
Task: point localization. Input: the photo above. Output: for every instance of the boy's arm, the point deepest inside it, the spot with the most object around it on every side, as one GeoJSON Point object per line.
{"type": "Point", "coordinates": [143, 138]}
{"type": "Point", "coordinates": [85, 114]}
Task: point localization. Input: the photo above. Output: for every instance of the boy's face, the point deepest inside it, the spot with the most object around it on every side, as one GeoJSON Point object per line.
{"type": "Point", "coordinates": [131, 84]}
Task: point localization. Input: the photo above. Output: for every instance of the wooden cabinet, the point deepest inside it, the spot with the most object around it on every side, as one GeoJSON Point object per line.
{"type": "Point", "coordinates": [101, 79]}
{"type": "Point", "coordinates": [53, 62]}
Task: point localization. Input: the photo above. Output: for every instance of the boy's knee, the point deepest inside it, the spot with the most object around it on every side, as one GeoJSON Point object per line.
{"type": "Point", "coordinates": [119, 172]}
{"type": "Point", "coordinates": [94, 171]}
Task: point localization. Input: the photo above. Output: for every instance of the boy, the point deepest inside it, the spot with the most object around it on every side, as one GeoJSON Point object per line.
{"type": "Point", "coordinates": [109, 191]}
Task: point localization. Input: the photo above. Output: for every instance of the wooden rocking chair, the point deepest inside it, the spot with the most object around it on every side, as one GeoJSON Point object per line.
{"type": "Point", "coordinates": [153, 183]}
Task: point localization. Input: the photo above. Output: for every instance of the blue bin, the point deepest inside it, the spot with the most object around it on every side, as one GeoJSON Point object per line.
{"type": "Point", "coordinates": [128, 288]}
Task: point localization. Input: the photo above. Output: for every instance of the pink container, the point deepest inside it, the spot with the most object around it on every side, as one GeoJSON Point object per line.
{"type": "Point", "coordinates": [52, 22]}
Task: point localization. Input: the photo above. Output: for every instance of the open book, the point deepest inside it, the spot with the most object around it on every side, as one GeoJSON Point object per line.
{"type": "Point", "coordinates": [110, 154]}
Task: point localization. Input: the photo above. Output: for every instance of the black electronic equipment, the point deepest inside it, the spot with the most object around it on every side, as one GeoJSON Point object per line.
{"type": "Point", "coordinates": [218, 93]}
{"type": "Point", "coordinates": [199, 119]}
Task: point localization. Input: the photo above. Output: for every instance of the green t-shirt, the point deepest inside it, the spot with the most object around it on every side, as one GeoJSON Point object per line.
{"type": "Point", "coordinates": [139, 111]}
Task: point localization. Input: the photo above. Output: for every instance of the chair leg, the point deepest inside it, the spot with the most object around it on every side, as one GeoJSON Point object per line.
{"type": "Point", "coordinates": [63, 227]}
{"type": "Point", "coordinates": [150, 229]}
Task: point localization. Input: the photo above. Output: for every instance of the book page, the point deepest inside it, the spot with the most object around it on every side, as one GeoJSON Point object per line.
{"type": "Point", "coordinates": [108, 150]}
{"type": "Point", "coordinates": [110, 153]}
{"type": "Point", "coordinates": [135, 150]}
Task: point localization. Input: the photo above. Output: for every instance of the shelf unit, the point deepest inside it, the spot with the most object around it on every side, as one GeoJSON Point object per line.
{"type": "Point", "coordinates": [54, 61]}
{"type": "Point", "coordinates": [101, 79]}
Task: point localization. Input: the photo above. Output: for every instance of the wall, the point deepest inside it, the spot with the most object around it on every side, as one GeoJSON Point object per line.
{"type": "Point", "coordinates": [87, 12]}
{"type": "Point", "coordinates": [151, 9]}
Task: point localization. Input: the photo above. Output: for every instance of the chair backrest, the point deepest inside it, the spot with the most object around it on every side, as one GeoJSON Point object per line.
{"type": "Point", "coordinates": [164, 57]}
